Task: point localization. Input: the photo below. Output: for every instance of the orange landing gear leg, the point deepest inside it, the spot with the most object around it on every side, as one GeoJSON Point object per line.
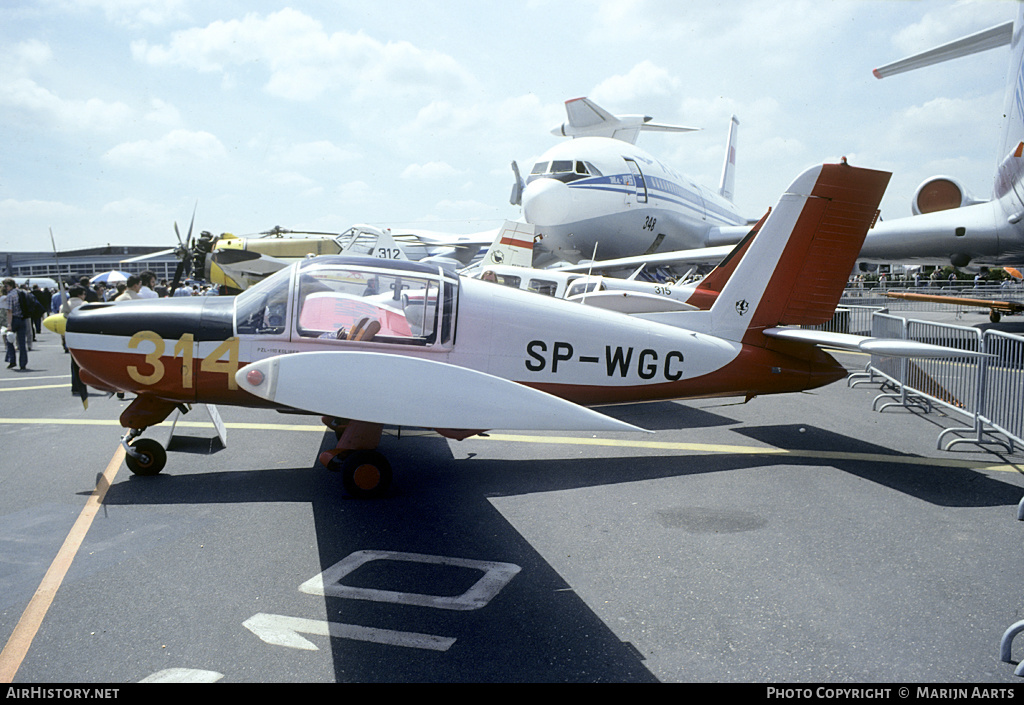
{"type": "Point", "coordinates": [365, 472]}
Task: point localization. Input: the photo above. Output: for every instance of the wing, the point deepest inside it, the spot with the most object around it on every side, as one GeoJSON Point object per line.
{"type": "Point", "coordinates": [726, 239]}
{"type": "Point", "coordinates": [631, 302]}
{"type": "Point", "coordinates": [703, 255]}
{"type": "Point", "coordinates": [407, 391]}
{"type": "Point", "coordinates": [862, 343]}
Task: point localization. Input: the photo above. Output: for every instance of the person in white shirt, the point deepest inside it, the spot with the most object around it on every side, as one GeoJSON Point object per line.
{"type": "Point", "coordinates": [148, 279]}
{"type": "Point", "coordinates": [131, 290]}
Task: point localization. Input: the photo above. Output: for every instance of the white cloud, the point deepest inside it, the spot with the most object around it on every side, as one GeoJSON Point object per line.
{"type": "Point", "coordinates": [177, 147]}
{"type": "Point", "coordinates": [13, 208]}
{"type": "Point", "coordinates": [163, 113]}
{"type": "Point", "coordinates": [356, 193]}
{"type": "Point", "coordinates": [489, 131]}
{"type": "Point", "coordinates": [21, 93]}
{"type": "Point", "coordinates": [132, 13]}
{"type": "Point", "coordinates": [948, 21]}
{"type": "Point", "coordinates": [312, 153]}
{"type": "Point", "coordinates": [645, 80]}
{"type": "Point", "coordinates": [919, 128]}
{"type": "Point", "coordinates": [430, 171]}
{"type": "Point", "coordinates": [292, 178]}
{"type": "Point", "coordinates": [468, 208]}
{"type": "Point", "coordinates": [131, 207]}
{"type": "Point", "coordinates": [304, 61]}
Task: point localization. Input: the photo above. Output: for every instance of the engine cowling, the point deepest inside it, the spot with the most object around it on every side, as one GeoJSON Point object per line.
{"type": "Point", "coordinates": [940, 193]}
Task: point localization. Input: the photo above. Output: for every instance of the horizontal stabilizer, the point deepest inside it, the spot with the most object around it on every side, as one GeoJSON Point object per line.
{"type": "Point", "coordinates": [876, 346]}
{"type": "Point", "coordinates": [413, 392]}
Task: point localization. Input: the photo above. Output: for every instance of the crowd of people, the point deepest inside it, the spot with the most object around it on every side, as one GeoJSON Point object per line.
{"type": "Point", "coordinates": [21, 318]}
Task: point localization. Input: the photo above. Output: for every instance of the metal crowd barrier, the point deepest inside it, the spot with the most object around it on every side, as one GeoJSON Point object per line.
{"type": "Point", "coordinates": [987, 391]}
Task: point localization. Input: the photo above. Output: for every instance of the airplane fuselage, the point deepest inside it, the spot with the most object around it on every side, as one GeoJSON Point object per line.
{"type": "Point", "coordinates": [188, 350]}
{"type": "Point", "coordinates": [603, 191]}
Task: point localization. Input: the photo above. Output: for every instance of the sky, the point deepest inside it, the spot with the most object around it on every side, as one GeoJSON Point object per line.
{"type": "Point", "coordinates": [119, 118]}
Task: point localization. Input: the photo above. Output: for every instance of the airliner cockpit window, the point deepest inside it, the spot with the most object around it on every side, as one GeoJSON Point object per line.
{"type": "Point", "coordinates": [342, 304]}
{"type": "Point", "coordinates": [564, 170]}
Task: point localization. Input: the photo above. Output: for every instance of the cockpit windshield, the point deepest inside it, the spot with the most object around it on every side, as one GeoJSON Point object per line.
{"type": "Point", "coordinates": [262, 309]}
{"type": "Point", "coordinates": [564, 170]}
{"type": "Point", "coordinates": [353, 299]}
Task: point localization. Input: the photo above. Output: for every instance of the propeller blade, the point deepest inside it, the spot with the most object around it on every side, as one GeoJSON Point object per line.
{"type": "Point", "coordinates": [188, 239]}
{"type": "Point", "coordinates": [151, 255]}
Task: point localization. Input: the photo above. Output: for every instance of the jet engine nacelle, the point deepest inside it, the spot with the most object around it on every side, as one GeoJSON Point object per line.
{"type": "Point", "coordinates": [941, 193]}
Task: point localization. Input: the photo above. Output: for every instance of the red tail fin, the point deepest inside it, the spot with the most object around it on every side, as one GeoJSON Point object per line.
{"type": "Point", "coordinates": [823, 247]}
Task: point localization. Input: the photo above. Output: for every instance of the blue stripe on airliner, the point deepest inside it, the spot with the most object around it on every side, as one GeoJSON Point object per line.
{"type": "Point", "coordinates": [660, 188]}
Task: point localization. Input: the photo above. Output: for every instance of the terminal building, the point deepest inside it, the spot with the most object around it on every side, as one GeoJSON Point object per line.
{"type": "Point", "coordinates": [87, 262]}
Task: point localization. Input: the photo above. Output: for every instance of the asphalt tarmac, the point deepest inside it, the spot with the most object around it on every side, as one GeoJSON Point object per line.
{"type": "Point", "coordinates": [792, 539]}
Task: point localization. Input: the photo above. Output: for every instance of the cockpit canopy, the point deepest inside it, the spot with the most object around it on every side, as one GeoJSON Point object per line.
{"type": "Point", "coordinates": [343, 298]}
{"type": "Point", "coordinates": [564, 170]}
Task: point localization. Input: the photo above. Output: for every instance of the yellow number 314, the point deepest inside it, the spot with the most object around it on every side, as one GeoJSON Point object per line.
{"type": "Point", "coordinates": [210, 363]}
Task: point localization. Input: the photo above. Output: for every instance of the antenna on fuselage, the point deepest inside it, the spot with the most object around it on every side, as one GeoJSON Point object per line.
{"type": "Point", "coordinates": [590, 270]}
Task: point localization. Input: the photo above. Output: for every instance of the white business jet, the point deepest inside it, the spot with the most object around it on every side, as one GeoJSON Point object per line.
{"type": "Point", "coordinates": [949, 226]}
{"type": "Point", "coordinates": [599, 189]}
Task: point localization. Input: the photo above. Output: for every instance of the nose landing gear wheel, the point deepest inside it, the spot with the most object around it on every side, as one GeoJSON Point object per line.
{"type": "Point", "coordinates": [151, 460]}
{"type": "Point", "coordinates": [365, 474]}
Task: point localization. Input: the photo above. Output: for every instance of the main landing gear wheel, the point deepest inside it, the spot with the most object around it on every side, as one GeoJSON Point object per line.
{"type": "Point", "coordinates": [366, 474]}
{"type": "Point", "coordinates": [151, 457]}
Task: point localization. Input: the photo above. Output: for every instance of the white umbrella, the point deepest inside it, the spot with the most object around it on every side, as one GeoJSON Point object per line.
{"type": "Point", "coordinates": [109, 278]}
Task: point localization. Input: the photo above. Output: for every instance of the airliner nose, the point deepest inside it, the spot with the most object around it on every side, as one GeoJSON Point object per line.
{"type": "Point", "coordinates": [546, 202]}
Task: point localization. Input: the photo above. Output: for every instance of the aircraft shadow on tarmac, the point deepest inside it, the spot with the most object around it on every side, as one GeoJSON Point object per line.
{"type": "Point", "coordinates": [536, 628]}
{"type": "Point", "coordinates": [665, 415]}
{"type": "Point", "coordinates": [940, 485]}
{"type": "Point", "coordinates": [195, 444]}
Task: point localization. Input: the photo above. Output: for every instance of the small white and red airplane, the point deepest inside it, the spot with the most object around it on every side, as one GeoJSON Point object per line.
{"type": "Point", "coordinates": [461, 355]}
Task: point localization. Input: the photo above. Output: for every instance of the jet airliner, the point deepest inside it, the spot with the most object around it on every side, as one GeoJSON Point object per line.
{"type": "Point", "coordinates": [599, 189]}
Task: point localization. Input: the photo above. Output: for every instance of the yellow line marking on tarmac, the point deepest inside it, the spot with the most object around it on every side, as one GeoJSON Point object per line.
{"type": "Point", "coordinates": [320, 428]}
{"type": "Point", "coordinates": [754, 450]}
{"type": "Point", "coordinates": [25, 631]}
{"type": "Point", "coordinates": [33, 378]}
{"type": "Point", "coordinates": [591, 441]}
{"type": "Point", "coordinates": [38, 386]}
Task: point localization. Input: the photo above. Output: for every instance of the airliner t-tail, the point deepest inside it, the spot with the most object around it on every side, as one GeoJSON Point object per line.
{"type": "Point", "coordinates": [949, 225]}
